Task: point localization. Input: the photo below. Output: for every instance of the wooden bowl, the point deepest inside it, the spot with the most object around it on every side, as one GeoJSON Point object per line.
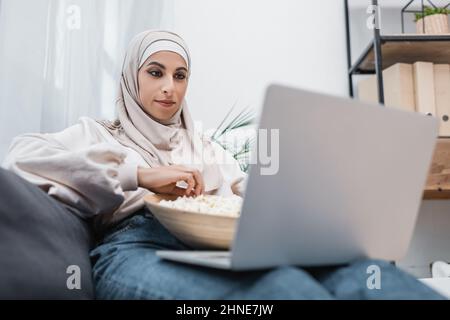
{"type": "Point", "coordinates": [198, 230]}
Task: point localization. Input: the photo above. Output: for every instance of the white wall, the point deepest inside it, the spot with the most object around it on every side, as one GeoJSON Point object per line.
{"type": "Point", "coordinates": [239, 47]}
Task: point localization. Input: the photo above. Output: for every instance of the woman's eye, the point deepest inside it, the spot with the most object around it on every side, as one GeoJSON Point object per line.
{"type": "Point", "coordinates": [155, 73]}
{"type": "Point", "coordinates": [180, 76]}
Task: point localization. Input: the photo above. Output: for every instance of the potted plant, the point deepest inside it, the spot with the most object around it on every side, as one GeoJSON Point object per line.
{"type": "Point", "coordinates": [432, 20]}
{"type": "Point", "coordinates": [240, 152]}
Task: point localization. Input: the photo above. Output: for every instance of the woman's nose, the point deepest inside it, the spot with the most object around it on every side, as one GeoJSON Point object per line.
{"type": "Point", "coordinates": [168, 86]}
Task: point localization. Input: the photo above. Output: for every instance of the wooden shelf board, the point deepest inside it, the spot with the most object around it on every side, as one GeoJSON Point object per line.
{"type": "Point", "coordinates": [436, 194]}
{"type": "Point", "coordinates": [397, 48]}
{"type": "Point", "coordinates": [438, 182]}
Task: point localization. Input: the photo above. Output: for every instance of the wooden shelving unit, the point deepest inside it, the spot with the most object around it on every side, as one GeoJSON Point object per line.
{"type": "Point", "coordinates": [384, 51]}
{"type": "Point", "coordinates": [438, 182]}
{"type": "Point", "coordinates": [406, 49]}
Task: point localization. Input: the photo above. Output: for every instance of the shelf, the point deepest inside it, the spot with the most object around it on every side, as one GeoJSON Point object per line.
{"type": "Point", "coordinates": [438, 182]}
{"type": "Point", "coordinates": [404, 48]}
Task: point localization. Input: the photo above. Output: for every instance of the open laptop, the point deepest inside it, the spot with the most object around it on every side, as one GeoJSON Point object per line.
{"type": "Point", "coordinates": [349, 185]}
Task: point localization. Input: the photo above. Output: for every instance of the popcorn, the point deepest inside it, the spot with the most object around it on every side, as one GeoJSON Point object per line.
{"type": "Point", "coordinates": [207, 204]}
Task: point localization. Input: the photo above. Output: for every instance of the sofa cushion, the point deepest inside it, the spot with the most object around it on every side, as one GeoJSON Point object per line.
{"type": "Point", "coordinates": [44, 245]}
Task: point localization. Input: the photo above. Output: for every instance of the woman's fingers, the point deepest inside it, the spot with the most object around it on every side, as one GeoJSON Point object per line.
{"type": "Point", "coordinates": [189, 179]}
{"type": "Point", "coordinates": [178, 191]}
{"type": "Point", "coordinates": [200, 185]}
{"type": "Point", "coordinates": [199, 182]}
{"type": "Point", "coordinates": [167, 176]}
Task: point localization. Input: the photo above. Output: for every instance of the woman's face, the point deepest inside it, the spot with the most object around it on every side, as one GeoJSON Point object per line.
{"type": "Point", "coordinates": [162, 83]}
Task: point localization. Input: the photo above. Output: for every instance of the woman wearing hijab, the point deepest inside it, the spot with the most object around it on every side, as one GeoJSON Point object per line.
{"type": "Point", "coordinates": [103, 169]}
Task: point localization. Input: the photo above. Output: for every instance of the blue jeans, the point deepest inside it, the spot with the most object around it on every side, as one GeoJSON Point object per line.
{"type": "Point", "coordinates": [125, 266]}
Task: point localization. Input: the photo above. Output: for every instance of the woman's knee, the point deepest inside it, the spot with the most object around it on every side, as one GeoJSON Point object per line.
{"type": "Point", "coordinates": [285, 282]}
{"type": "Point", "coordinates": [127, 267]}
{"type": "Point", "coordinates": [375, 279]}
{"type": "Point", "coordinates": [128, 272]}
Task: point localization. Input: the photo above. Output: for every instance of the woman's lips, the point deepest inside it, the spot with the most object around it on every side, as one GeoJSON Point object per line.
{"type": "Point", "coordinates": [165, 104]}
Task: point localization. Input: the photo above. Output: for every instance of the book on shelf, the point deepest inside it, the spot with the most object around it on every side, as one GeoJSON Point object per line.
{"type": "Point", "coordinates": [367, 89]}
{"type": "Point", "coordinates": [424, 87]}
{"type": "Point", "coordinates": [398, 87]}
{"type": "Point", "coordinates": [442, 97]}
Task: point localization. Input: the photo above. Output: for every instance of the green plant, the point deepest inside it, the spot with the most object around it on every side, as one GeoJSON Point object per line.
{"type": "Point", "coordinates": [243, 119]}
{"type": "Point", "coordinates": [428, 11]}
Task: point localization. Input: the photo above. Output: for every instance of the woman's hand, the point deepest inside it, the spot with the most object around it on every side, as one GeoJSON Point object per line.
{"type": "Point", "coordinates": [238, 187]}
{"type": "Point", "coordinates": [164, 180]}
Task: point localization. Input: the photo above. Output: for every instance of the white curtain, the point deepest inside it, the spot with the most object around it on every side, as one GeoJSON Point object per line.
{"type": "Point", "coordinates": [61, 59]}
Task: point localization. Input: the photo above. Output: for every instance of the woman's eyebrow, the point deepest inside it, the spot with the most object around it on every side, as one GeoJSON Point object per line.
{"type": "Point", "coordinates": [163, 67]}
